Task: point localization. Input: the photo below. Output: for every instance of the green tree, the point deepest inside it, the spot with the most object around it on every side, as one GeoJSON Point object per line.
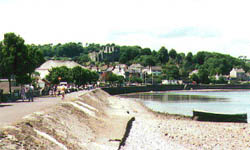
{"type": "Point", "coordinates": [79, 76]}
{"type": "Point", "coordinates": [163, 55]}
{"type": "Point", "coordinates": [145, 51]}
{"type": "Point", "coordinates": [83, 58]}
{"type": "Point", "coordinates": [203, 75]}
{"type": "Point", "coordinates": [194, 77]}
{"type": "Point", "coordinates": [172, 54]}
{"type": "Point", "coordinates": [63, 72]}
{"type": "Point", "coordinates": [14, 56]}
{"type": "Point", "coordinates": [147, 60]}
{"type": "Point", "coordinates": [70, 49]}
{"type": "Point", "coordinates": [93, 77]}
{"type": "Point", "coordinates": [172, 72]}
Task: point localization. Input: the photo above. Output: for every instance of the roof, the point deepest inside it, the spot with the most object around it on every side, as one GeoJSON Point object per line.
{"type": "Point", "coordinates": [136, 66]}
{"type": "Point", "coordinates": [239, 70]}
{"type": "Point", "coordinates": [45, 67]}
{"type": "Point", "coordinates": [156, 68]}
{"type": "Point", "coordinates": [58, 63]}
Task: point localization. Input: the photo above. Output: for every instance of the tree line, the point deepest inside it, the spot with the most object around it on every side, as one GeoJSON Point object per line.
{"type": "Point", "coordinates": [77, 75]}
{"type": "Point", "coordinates": [16, 56]}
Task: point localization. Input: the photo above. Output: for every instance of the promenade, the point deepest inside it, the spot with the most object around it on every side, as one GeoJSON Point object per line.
{"type": "Point", "coordinates": [15, 111]}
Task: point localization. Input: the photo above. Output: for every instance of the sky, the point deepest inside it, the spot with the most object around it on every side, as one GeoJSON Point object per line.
{"type": "Point", "coordinates": [186, 25]}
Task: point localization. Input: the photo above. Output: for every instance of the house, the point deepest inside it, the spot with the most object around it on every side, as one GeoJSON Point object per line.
{"type": "Point", "coordinates": [135, 70]}
{"type": "Point", "coordinates": [172, 82]}
{"type": "Point", "coordinates": [45, 67]}
{"type": "Point", "coordinates": [120, 69]}
{"type": "Point", "coordinates": [193, 72]}
{"type": "Point", "coordinates": [248, 76]}
{"type": "Point", "coordinates": [43, 70]}
{"type": "Point", "coordinates": [225, 77]}
{"type": "Point", "coordinates": [155, 70]}
{"type": "Point", "coordinates": [238, 74]}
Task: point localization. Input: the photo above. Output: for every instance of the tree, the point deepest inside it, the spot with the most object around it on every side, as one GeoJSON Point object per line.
{"type": "Point", "coordinates": [203, 75]}
{"type": "Point", "coordinates": [163, 55]}
{"type": "Point", "coordinates": [93, 77]}
{"type": "Point", "coordinates": [83, 58]}
{"type": "Point", "coordinates": [145, 51]}
{"type": "Point", "coordinates": [63, 72]}
{"type": "Point", "coordinates": [189, 57]}
{"type": "Point", "coordinates": [79, 75]}
{"type": "Point", "coordinates": [172, 72]}
{"type": "Point", "coordinates": [135, 79]}
{"type": "Point", "coordinates": [172, 54]}
{"type": "Point", "coordinates": [70, 49]}
{"type": "Point", "coordinates": [35, 58]}
{"type": "Point", "coordinates": [194, 77]}
{"type": "Point", "coordinates": [147, 60]}
{"type": "Point", "coordinates": [14, 57]}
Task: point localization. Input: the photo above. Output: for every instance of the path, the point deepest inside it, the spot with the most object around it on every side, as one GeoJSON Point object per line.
{"type": "Point", "coordinates": [13, 112]}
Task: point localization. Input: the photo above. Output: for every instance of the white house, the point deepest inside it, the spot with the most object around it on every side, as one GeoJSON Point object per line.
{"type": "Point", "coordinates": [155, 70]}
{"type": "Point", "coordinates": [120, 69]}
{"type": "Point", "coordinates": [193, 72]}
{"type": "Point", "coordinates": [45, 67]}
{"type": "Point", "coordinates": [236, 73]}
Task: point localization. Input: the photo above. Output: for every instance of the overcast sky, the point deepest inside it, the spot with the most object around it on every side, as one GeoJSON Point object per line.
{"type": "Point", "coordinates": [185, 25]}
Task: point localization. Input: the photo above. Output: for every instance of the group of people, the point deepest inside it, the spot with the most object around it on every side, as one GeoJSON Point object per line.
{"type": "Point", "coordinates": [58, 90]}
{"type": "Point", "coordinates": [27, 92]}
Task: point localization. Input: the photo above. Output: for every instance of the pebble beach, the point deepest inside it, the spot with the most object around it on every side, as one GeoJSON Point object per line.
{"type": "Point", "coordinates": [169, 132]}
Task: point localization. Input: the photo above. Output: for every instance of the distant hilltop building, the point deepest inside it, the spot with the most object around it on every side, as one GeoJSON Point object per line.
{"type": "Point", "coordinates": [108, 53]}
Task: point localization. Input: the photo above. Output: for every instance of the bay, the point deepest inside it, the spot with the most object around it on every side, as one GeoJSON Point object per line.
{"type": "Point", "coordinates": [184, 102]}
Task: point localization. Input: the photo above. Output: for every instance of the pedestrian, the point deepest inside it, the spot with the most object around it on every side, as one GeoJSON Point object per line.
{"type": "Point", "coordinates": [62, 89]}
{"type": "Point", "coordinates": [55, 90]}
{"type": "Point", "coordinates": [31, 89]}
{"type": "Point", "coordinates": [23, 94]}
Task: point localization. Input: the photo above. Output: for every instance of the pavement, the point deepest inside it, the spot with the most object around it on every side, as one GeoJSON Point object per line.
{"type": "Point", "coordinates": [15, 111]}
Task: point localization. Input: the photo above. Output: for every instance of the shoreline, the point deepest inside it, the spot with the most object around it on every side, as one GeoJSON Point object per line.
{"type": "Point", "coordinates": [96, 120]}
{"type": "Point", "coordinates": [181, 132]}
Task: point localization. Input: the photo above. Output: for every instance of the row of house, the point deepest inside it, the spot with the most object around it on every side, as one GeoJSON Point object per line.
{"type": "Point", "coordinates": [132, 70]}
{"type": "Point", "coordinates": [126, 71]}
{"type": "Point", "coordinates": [235, 74]}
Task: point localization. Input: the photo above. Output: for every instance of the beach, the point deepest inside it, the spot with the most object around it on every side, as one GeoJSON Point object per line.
{"type": "Point", "coordinates": [94, 120]}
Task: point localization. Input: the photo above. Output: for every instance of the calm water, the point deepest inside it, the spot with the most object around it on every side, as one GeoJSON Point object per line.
{"type": "Point", "coordinates": [184, 102]}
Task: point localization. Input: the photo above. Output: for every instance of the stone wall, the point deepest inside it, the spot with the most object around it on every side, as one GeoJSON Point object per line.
{"type": "Point", "coordinates": [134, 89]}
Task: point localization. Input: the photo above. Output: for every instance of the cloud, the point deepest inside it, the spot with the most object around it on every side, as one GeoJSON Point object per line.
{"type": "Point", "coordinates": [190, 32]}
{"type": "Point", "coordinates": [189, 25]}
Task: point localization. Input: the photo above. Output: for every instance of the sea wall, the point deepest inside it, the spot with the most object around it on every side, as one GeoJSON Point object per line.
{"type": "Point", "coordinates": [74, 124]}
{"type": "Point", "coordinates": [134, 89]}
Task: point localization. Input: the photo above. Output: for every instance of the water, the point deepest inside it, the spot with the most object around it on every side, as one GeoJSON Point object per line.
{"type": "Point", "coordinates": [184, 102]}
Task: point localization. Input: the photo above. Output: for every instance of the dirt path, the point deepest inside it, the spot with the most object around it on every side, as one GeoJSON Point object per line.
{"type": "Point", "coordinates": [13, 112]}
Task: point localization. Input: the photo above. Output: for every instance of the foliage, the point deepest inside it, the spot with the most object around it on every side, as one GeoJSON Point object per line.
{"type": "Point", "coordinates": [163, 55]}
{"type": "Point", "coordinates": [172, 72]}
{"type": "Point", "coordinates": [172, 53]}
{"type": "Point", "coordinates": [147, 60]}
{"type": "Point", "coordinates": [111, 78]}
{"type": "Point", "coordinates": [135, 79]}
{"type": "Point", "coordinates": [63, 72]}
{"type": "Point", "coordinates": [79, 75]}
{"type": "Point", "coordinates": [17, 59]}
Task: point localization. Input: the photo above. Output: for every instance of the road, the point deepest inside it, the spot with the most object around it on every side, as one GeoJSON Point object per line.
{"type": "Point", "coordinates": [13, 112]}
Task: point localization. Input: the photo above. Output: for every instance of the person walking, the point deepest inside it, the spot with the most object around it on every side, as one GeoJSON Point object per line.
{"type": "Point", "coordinates": [23, 94]}
{"type": "Point", "coordinates": [62, 89]}
{"type": "Point", "coordinates": [31, 90]}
